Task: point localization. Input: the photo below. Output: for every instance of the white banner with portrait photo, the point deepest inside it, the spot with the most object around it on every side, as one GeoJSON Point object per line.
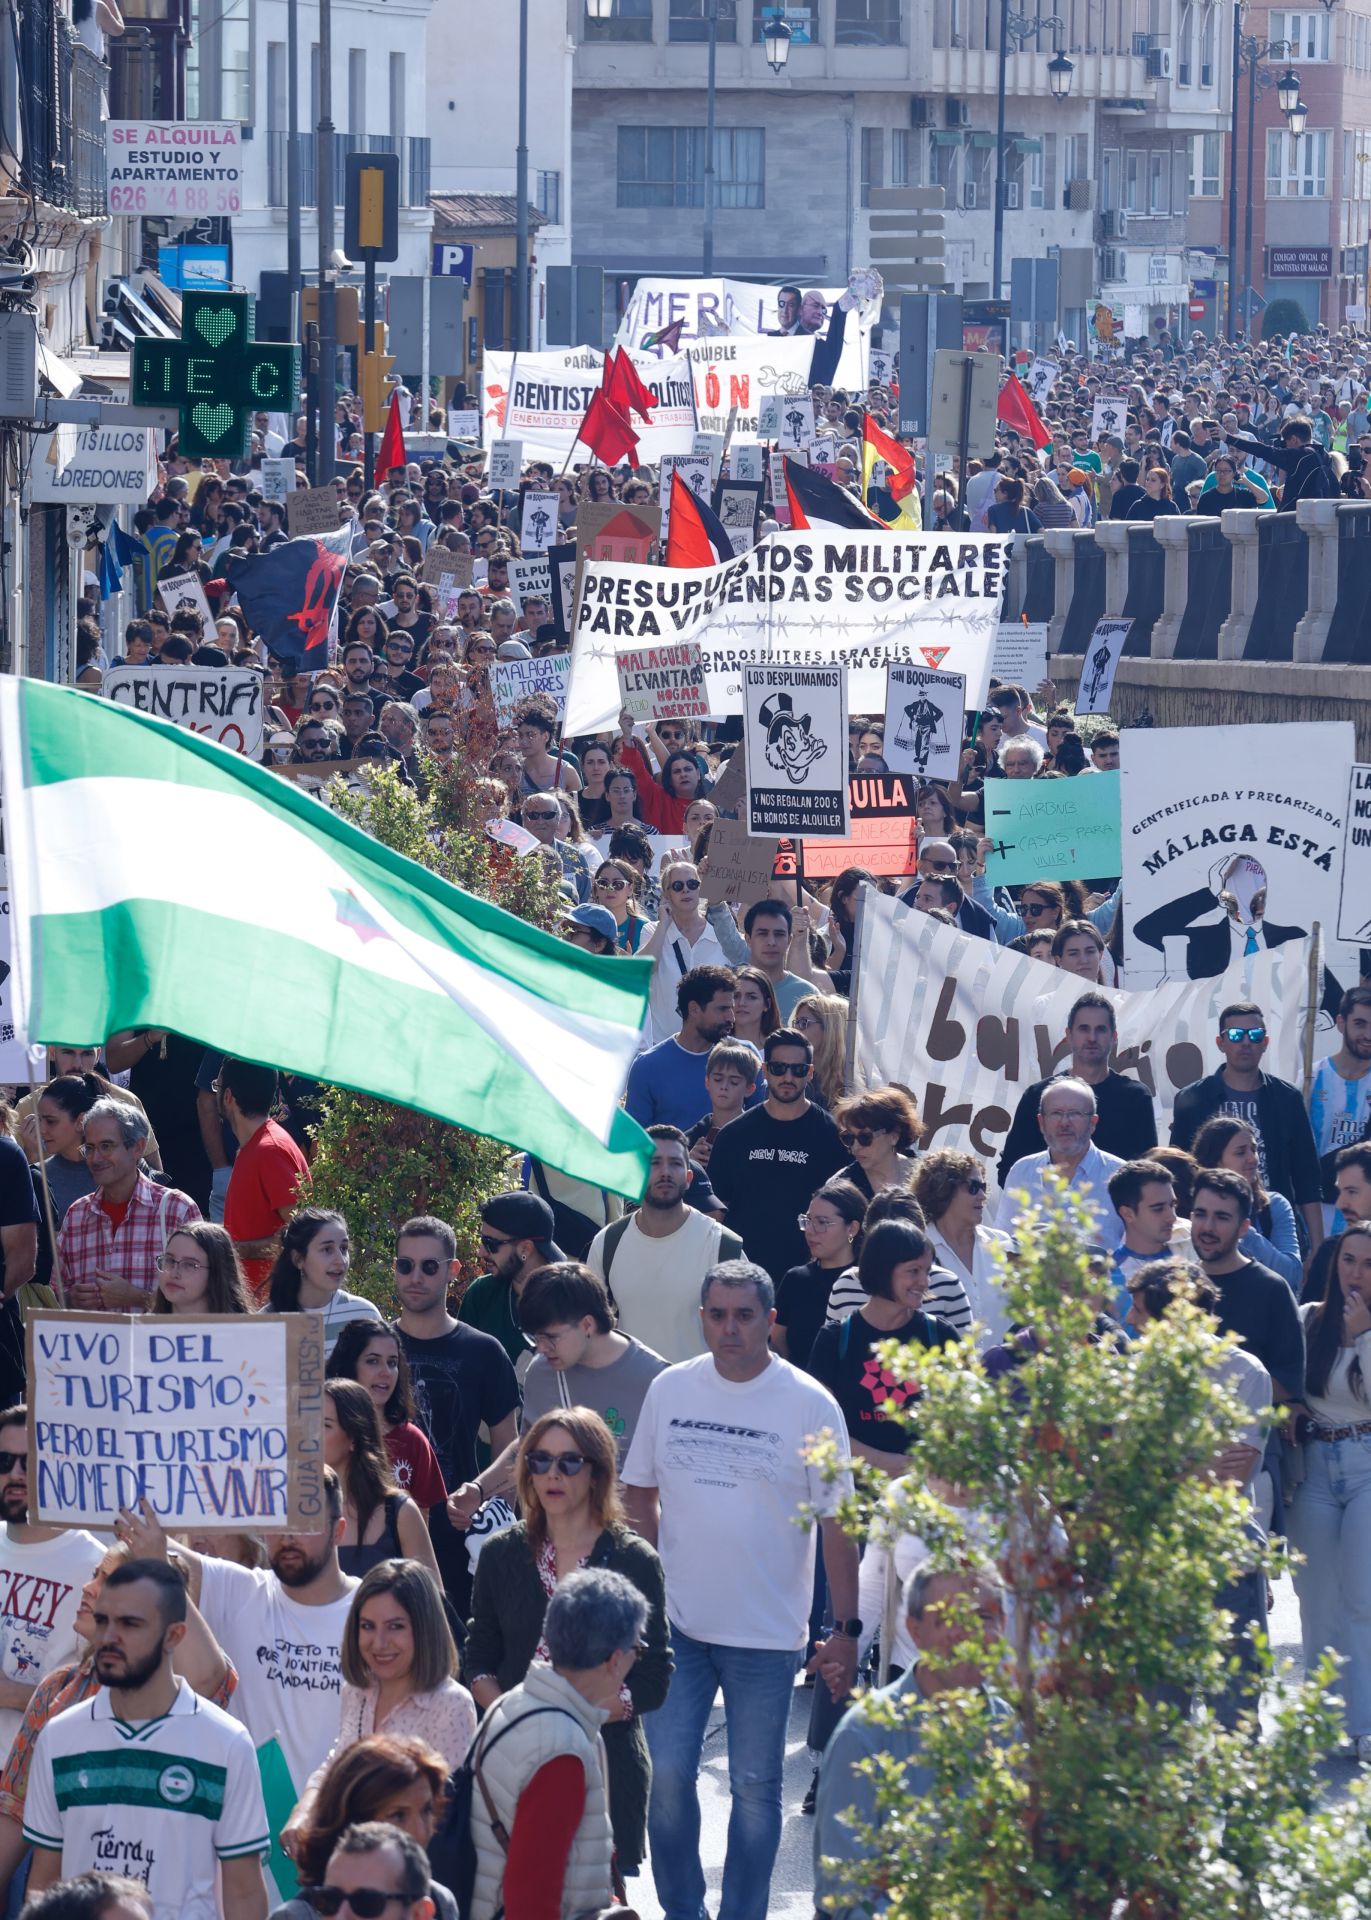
{"type": "Point", "coordinates": [800, 599]}
{"type": "Point", "coordinates": [1233, 839]}
{"type": "Point", "coordinates": [967, 1026]}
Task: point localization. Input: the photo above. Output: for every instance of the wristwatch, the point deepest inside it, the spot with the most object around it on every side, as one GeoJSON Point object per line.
{"type": "Point", "coordinates": [849, 1629]}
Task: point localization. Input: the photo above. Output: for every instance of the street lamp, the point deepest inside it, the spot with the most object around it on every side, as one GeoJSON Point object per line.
{"type": "Point", "coordinates": [1059, 72]}
{"type": "Point", "coordinates": [776, 36]}
{"type": "Point", "coordinates": [1297, 118]}
{"type": "Point", "coordinates": [1288, 91]}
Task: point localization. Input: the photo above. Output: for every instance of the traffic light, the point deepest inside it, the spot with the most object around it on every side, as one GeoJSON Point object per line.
{"type": "Point", "coordinates": [347, 314]}
{"type": "Point", "coordinates": [371, 206]}
{"type": "Point", "coordinates": [374, 368]}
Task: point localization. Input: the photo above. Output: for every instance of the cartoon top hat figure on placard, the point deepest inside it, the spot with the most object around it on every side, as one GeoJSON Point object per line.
{"type": "Point", "coordinates": [790, 746]}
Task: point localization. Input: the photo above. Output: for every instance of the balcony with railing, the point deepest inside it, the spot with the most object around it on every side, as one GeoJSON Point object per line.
{"type": "Point", "coordinates": [64, 87]}
{"type": "Point", "coordinates": [414, 165]}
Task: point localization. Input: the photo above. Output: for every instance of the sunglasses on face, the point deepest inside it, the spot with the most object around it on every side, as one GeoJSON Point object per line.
{"type": "Point", "coordinates": [367, 1903]}
{"type": "Point", "coordinates": [405, 1266]}
{"type": "Point", "coordinates": [861, 1137]}
{"type": "Point", "coordinates": [493, 1245]}
{"type": "Point", "coordinates": [941, 866]}
{"type": "Point", "coordinates": [9, 1461]}
{"type": "Point", "coordinates": [323, 706]}
{"type": "Point", "coordinates": [685, 886]}
{"type": "Point", "coordinates": [1234, 1034]}
{"type": "Point", "coordinates": [1033, 908]}
{"type": "Point", "coordinates": [975, 1186]}
{"type": "Point", "coordinates": [567, 1464]}
{"type": "Point", "coordinates": [796, 1069]}
{"type": "Point", "coordinates": [541, 814]}
{"type": "Point", "coordinates": [611, 884]}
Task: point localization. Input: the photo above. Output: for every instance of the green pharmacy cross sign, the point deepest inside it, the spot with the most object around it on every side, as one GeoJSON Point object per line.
{"type": "Point", "coordinates": [217, 375]}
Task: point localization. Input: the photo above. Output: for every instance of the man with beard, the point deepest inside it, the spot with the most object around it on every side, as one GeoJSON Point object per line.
{"type": "Point", "coordinates": [42, 1572]}
{"type": "Point", "coordinates": [516, 1240]}
{"type": "Point", "coordinates": [1340, 1094]}
{"type": "Point", "coordinates": [653, 1262]}
{"type": "Point", "coordinates": [666, 1085]}
{"type": "Point", "coordinates": [281, 1626]}
{"type": "Point", "coordinates": [1127, 1120]}
{"type": "Point", "coordinates": [146, 1774]}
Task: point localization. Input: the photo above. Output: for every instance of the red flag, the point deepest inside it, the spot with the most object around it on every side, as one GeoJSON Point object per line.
{"type": "Point", "coordinates": [391, 452]}
{"type": "Point", "coordinates": [1016, 410]}
{"type": "Point", "coordinates": [623, 386]}
{"type": "Point", "coordinates": [695, 537]}
{"type": "Point", "coordinates": [605, 431]}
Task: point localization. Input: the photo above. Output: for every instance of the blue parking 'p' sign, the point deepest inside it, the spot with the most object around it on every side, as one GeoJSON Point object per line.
{"type": "Point", "coordinates": [454, 262]}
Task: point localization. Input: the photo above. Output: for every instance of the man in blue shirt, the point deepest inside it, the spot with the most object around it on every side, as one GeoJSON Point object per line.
{"type": "Point", "coordinates": [666, 1085]}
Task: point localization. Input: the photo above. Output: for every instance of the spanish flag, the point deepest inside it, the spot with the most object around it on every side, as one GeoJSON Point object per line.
{"type": "Point", "coordinates": [901, 483]}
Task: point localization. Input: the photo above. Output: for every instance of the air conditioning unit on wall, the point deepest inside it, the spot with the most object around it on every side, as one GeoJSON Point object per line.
{"type": "Point", "coordinates": [1159, 63]}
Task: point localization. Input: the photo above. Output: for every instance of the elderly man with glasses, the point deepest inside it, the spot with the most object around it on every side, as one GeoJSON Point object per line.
{"type": "Point", "coordinates": [110, 1240]}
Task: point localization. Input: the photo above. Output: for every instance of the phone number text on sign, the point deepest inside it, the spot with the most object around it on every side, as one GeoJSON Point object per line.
{"type": "Point", "coordinates": [174, 167]}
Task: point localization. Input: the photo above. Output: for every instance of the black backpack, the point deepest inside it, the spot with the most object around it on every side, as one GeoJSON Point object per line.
{"type": "Point", "coordinates": [452, 1851]}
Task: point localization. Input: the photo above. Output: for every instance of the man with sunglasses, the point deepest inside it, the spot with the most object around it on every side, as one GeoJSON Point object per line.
{"type": "Point", "coordinates": [516, 1241]}
{"type": "Point", "coordinates": [1273, 1108]}
{"type": "Point", "coordinates": [541, 814]}
{"type": "Point", "coordinates": [42, 1572]}
{"type": "Point", "coordinates": [766, 1164]}
{"type": "Point", "coordinates": [375, 1872]}
{"type": "Point", "coordinates": [1127, 1125]}
{"type": "Point", "coordinates": [938, 860]}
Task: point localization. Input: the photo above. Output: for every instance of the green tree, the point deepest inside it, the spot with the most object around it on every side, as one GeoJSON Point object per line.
{"type": "Point", "coordinates": [378, 1163]}
{"type": "Point", "coordinates": [1283, 316]}
{"type": "Point", "coordinates": [1102, 1795]}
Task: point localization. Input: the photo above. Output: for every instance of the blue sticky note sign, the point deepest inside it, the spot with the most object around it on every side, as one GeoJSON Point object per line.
{"type": "Point", "coordinates": [1053, 829]}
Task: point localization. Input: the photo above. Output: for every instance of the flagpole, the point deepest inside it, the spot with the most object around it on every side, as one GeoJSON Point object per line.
{"type": "Point", "coordinates": [57, 1286]}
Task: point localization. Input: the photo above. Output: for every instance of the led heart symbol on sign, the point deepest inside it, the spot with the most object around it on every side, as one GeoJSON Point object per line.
{"type": "Point", "coordinates": [213, 422]}
{"type": "Point", "coordinates": [215, 325]}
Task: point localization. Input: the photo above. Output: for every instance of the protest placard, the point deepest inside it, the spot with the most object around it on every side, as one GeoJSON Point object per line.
{"type": "Point", "coordinates": [464, 423]}
{"type": "Point", "coordinates": [562, 576]}
{"type": "Point", "coordinates": [1230, 831]}
{"type": "Point", "coordinates": [514, 680]}
{"type": "Point", "coordinates": [538, 526]}
{"type": "Point", "coordinates": [663, 683]}
{"type": "Point", "coordinates": [710, 447]}
{"type": "Point", "coordinates": [614, 530]}
{"type": "Point", "coordinates": [967, 1025]}
{"type": "Point", "coordinates": [769, 417]}
{"type": "Point", "coordinates": [884, 837]}
{"type": "Point", "coordinates": [214, 1419]}
{"type": "Point", "coordinates": [528, 577]}
{"type": "Point", "coordinates": [815, 597]}
{"type": "Point", "coordinates": [223, 702]}
{"type": "Point", "coordinates": [505, 464]}
{"type": "Point", "coordinates": [693, 471]}
{"type": "Point", "coordinates": [1102, 654]}
{"type": "Point", "coordinates": [311, 510]}
{"type": "Point", "coordinates": [1020, 656]}
{"type": "Point", "coordinates": [924, 713]}
{"type": "Point", "coordinates": [1109, 415]}
{"type": "Point", "coordinates": [880, 367]}
{"type": "Point", "coordinates": [738, 504]}
{"type": "Point", "coordinates": [796, 422]}
{"type": "Point", "coordinates": [1354, 908]}
{"type": "Point", "coordinates": [1040, 379]}
{"type": "Point", "coordinates": [740, 867]}
{"type": "Point", "coordinates": [441, 565]}
{"type": "Point", "coordinates": [278, 477]}
{"type": "Point", "coordinates": [747, 461]}
{"type": "Point", "coordinates": [1053, 829]}
{"type": "Point", "coordinates": [795, 724]}
{"type": "Point", "coordinates": [183, 593]}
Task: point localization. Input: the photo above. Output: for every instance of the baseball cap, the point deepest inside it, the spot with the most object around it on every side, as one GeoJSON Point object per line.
{"type": "Point", "coordinates": [512, 650]}
{"type": "Point", "coordinates": [524, 1216]}
{"type": "Point", "coordinates": [594, 919]}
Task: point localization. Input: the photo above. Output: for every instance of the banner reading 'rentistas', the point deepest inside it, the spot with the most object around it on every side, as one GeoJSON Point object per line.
{"type": "Point", "coordinates": [797, 599]}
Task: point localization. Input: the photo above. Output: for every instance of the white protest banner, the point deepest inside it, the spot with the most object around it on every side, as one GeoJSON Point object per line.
{"type": "Point", "coordinates": [797, 423]}
{"type": "Point", "coordinates": [663, 683]}
{"type": "Point", "coordinates": [214, 1419]}
{"type": "Point", "coordinates": [278, 477]}
{"type": "Point", "coordinates": [104, 466]}
{"type": "Point", "coordinates": [736, 379]}
{"type": "Point", "coordinates": [464, 423]}
{"type": "Point", "coordinates": [183, 593]}
{"type": "Point", "coordinates": [540, 400]}
{"type": "Point", "coordinates": [747, 461]}
{"type": "Point", "coordinates": [924, 715]}
{"type": "Point", "coordinates": [223, 702]}
{"type": "Point", "coordinates": [1354, 910]}
{"type": "Point", "coordinates": [713, 309]}
{"type": "Point", "coordinates": [1252, 814]}
{"type": "Point", "coordinates": [693, 471]}
{"type": "Point", "coordinates": [538, 528]}
{"type": "Point", "coordinates": [514, 680]}
{"type": "Point", "coordinates": [188, 169]}
{"type": "Point", "coordinates": [1103, 651]}
{"type": "Point", "coordinates": [1040, 380]}
{"type": "Point", "coordinates": [967, 1025]}
{"type": "Point", "coordinates": [504, 465]}
{"type": "Point", "coordinates": [1109, 415]}
{"type": "Point", "coordinates": [14, 1057]}
{"type": "Point", "coordinates": [529, 577]}
{"type": "Point", "coordinates": [1020, 657]}
{"type": "Point", "coordinates": [800, 599]}
{"type": "Point", "coordinates": [795, 725]}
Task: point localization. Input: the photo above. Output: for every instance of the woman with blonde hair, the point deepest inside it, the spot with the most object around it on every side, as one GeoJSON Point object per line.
{"type": "Point", "coordinates": [822, 1019]}
{"type": "Point", "coordinates": [568, 1482]}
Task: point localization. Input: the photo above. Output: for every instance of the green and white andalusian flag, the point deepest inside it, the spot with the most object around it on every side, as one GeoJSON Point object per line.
{"type": "Point", "coordinates": [160, 880]}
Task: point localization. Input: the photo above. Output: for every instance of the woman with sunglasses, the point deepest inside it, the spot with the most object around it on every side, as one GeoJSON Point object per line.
{"type": "Point", "coordinates": [370, 1353]}
{"type": "Point", "coordinates": [1272, 1238]}
{"type": "Point", "coordinates": [380, 1522]}
{"type": "Point", "coordinates": [832, 1227]}
{"type": "Point", "coordinates": [755, 1010]}
{"type": "Point", "coordinates": [663, 803]}
{"type": "Point", "coordinates": [881, 1129]}
{"type": "Point", "coordinates": [568, 1482]}
{"type": "Point", "coordinates": [325, 703]}
{"type": "Point", "coordinates": [399, 1780]}
{"type": "Point", "coordinates": [681, 939]}
{"type": "Point", "coordinates": [615, 886]}
{"type": "Point", "coordinates": [1044, 905]}
{"type": "Point", "coordinates": [310, 1270]}
{"type": "Point", "coordinates": [950, 1186]}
